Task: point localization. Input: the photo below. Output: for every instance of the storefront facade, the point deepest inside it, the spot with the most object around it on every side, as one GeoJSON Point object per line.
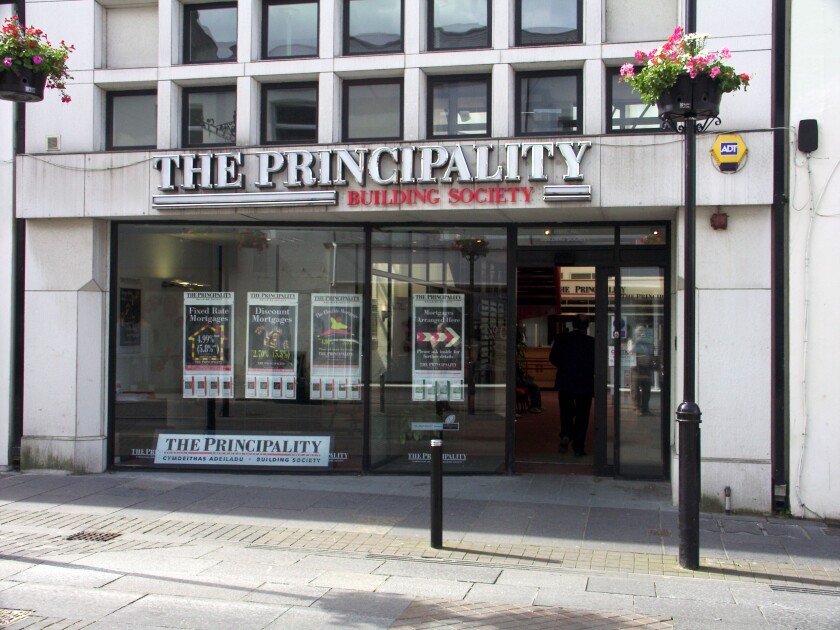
{"type": "Point", "coordinates": [235, 295]}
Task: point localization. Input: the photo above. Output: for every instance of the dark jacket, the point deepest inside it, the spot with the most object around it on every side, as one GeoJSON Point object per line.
{"type": "Point", "coordinates": [573, 354]}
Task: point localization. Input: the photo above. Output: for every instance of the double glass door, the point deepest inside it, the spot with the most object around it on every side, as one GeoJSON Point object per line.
{"type": "Point", "coordinates": [623, 293]}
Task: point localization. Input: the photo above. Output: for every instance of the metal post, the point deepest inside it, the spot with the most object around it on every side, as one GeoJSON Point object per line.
{"type": "Point", "coordinates": [437, 494]}
{"type": "Point", "coordinates": [688, 413]}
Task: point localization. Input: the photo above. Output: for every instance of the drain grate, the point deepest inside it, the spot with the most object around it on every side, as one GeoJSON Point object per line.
{"type": "Point", "coordinates": [9, 616]}
{"type": "Point", "coordinates": [832, 531]}
{"type": "Point", "coordinates": [661, 533]}
{"type": "Point", "coordinates": [94, 536]}
{"type": "Point", "coordinates": [804, 589]}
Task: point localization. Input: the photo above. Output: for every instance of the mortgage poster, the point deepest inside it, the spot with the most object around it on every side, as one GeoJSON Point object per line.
{"type": "Point", "coordinates": [336, 372]}
{"type": "Point", "coordinates": [438, 356]}
{"type": "Point", "coordinates": [271, 366]}
{"type": "Point", "coordinates": [208, 345]}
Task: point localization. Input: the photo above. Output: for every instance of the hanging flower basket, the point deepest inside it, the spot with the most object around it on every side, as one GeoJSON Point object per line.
{"type": "Point", "coordinates": [23, 86]}
{"type": "Point", "coordinates": [29, 62]}
{"type": "Point", "coordinates": [690, 98]}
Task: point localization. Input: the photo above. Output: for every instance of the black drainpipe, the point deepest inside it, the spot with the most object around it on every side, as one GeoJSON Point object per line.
{"type": "Point", "coordinates": [778, 259]}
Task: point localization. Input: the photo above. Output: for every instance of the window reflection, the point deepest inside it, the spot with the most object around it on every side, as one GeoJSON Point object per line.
{"type": "Point", "coordinates": [209, 33]}
{"type": "Point", "coordinates": [372, 26]}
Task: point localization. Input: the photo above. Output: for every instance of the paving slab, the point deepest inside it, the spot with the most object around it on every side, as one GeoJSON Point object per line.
{"type": "Point", "coordinates": [621, 586]}
{"type": "Point", "coordinates": [424, 587]}
{"type": "Point", "coordinates": [65, 601]}
{"type": "Point", "coordinates": [196, 614]}
{"type": "Point", "coordinates": [440, 570]}
{"type": "Point", "coordinates": [503, 594]}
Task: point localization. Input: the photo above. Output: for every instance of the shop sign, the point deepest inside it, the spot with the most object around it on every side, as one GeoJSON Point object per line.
{"type": "Point", "coordinates": [385, 176]}
{"type": "Point", "coordinates": [448, 458]}
{"type": "Point", "coordinates": [242, 450]}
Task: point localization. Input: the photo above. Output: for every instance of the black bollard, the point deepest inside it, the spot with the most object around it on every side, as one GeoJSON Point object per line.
{"type": "Point", "coordinates": [688, 420]}
{"type": "Point", "coordinates": [437, 494]}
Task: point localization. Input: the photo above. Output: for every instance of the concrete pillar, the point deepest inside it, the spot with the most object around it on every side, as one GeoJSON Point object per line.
{"type": "Point", "coordinates": [65, 346]}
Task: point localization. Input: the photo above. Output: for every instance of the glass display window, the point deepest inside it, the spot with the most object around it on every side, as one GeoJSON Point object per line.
{"type": "Point", "coordinates": [438, 348]}
{"type": "Point", "coordinates": [238, 347]}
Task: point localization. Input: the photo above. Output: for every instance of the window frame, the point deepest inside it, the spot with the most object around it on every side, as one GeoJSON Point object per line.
{"type": "Point", "coordinates": [185, 48]}
{"type": "Point", "coordinates": [185, 115]}
{"type": "Point", "coordinates": [345, 110]}
{"type": "Point", "coordinates": [267, 4]}
{"type": "Point", "coordinates": [436, 80]}
{"type": "Point", "coordinates": [109, 119]}
{"type": "Point", "coordinates": [578, 74]}
{"type": "Point", "coordinates": [265, 89]}
{"type": "Point", "coordinates": [612, 74]}
{"type": "Point", "coordinates": [518, 28]}
{"type": "Point", "coordinates": [430, 29]}
{"type": "Point", "coordinates": [345, 32]}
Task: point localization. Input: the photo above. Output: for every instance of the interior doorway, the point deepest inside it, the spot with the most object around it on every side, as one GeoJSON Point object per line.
{"type": "Point", "coordinates": [626, 314]}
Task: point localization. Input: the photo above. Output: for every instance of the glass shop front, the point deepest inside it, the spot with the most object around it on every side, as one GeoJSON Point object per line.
{"type": "Point", "coordinates": [317, 348]}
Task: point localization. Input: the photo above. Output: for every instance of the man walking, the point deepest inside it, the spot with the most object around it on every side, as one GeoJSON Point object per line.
{"type": "Point", "coordinates": [573, 354]}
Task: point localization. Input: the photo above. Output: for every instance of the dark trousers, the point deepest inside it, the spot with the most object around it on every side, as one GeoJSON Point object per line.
{"type": "Point", "coordinates": [574, 418]}
{"type": "Point", "coordinates": [641, 380]}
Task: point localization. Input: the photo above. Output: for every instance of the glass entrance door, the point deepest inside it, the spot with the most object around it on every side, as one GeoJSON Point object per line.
{"type": "Point", "coordinates": [635, 388]}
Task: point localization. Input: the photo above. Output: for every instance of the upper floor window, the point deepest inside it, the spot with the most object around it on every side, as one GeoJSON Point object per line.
{"type": "Point", "coordinates": [457, 24]}
{"type": "Point", "coordinates": [549, 22]}
{"type": "Point", "coordinates": [290, 29]}
{"type": "Point", "coordinates": [209, 32]}
{"type": "Point", "coordinates": [372, 26]}
{"type": "Point", "coordinates": [548, 103]}
{"type": "Point", "coordinates": [626, 112]}
{"type": "Point", "coordinates": [290, 113]}
{"type": "Point", "coordinates": [209, 117]}
{"type": "Point", "coordinates": [131, 120]}
{"type": "Point", "coordinates": [459, 106]}
{"type": "Point", "coordinates": [372, 110]}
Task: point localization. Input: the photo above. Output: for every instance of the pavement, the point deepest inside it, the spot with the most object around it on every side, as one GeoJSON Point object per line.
{"type": "Point", "coordinates": [130, 550]}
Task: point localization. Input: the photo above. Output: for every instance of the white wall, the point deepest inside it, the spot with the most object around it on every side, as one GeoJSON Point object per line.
{"type": "Point", "coordinates": [814, 262]}
{"type": "Point", "coordinates": [7, 113]}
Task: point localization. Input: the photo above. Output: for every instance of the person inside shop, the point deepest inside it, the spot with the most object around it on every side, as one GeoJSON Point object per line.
{"type": "Point", "coordinates": [573, 354]}
{"type": "Point", "coordinates": [532, 390]}
{"type": "Point", "coordinates": [641, 376]}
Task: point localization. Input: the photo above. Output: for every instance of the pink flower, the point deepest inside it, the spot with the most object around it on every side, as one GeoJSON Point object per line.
{"type": "Point", "coordinates": [744, 77]}
{"type": "Point", "coordinates": [641, 56]}
{"type": "Point", "coordinates": [715, 71]}
{"type": "Point", "coordinates": [36, 59]}
{"type": "Point", "coordinates": [626, 70]}
{"type": "Point", "coordinates": [8, 61]}
{"type": "Point", "coordinates": [724, 52]}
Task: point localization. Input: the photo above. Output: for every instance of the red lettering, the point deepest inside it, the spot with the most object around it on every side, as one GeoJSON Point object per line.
{"type": "Point", "coordinates": [432, 197]}
{"type": "Point", "coordinates": [455, 195]}
{"type": "Point", "coordinates": [502, 198]}
{"type": "Point", "coordinates": [527, 193]}
{"type": "Point", "coordinates": [479, 193]}
{"type": "Point", "coordinates": [353, 198]}
{"type": "Point", "coordinates": [468, 195]}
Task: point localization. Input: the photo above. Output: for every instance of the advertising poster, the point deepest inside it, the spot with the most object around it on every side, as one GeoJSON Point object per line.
{"type": "Point", "coordinates": [438, 357]}
{"type": "Point", "coordinates": [336, 347]}
{"type": "Point", "coordinates": [129, 334]}
{"type": "Point", "coordinates": [208, 345]}
{"type": "Point", "coordinates": [271, 366]}
{"type": "Point", "coordinates": [180, 449]}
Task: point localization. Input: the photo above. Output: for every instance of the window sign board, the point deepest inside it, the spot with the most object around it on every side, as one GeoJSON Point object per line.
{"type": "Point", "coordinates": [336, 347]}
{"type": "Point", "coordinates": [438, 356]}
{"type": "Point", "coordinates": [208, 345]}
{"type": "Point", "coordinates": [271, 368]}
{"type": "Point", "coordinates": [182, 449]}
